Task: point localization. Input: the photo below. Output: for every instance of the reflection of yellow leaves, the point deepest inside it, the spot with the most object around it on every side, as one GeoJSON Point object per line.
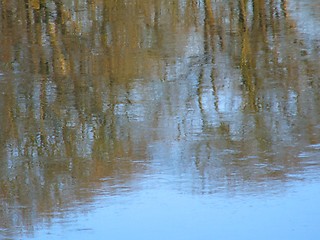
{"type": "Point", "coordinates": [209, 12]}
{"type": "Point", "coordinates": [62, 64]}
{"type": "Point", "coordinates": [51, 29]}
{"type": "Point", "coordinates": [76, 28]}
{"type": "Point", "coordinates": [35, 4]}
{"type": "Point", "coordinates": [66, 16]}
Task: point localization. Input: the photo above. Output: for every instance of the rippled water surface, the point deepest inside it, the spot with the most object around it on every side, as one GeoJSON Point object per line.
{"type": "Point", "coordinates": [159, 119]}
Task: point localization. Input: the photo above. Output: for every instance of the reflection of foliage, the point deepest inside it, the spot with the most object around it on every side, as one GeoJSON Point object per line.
{"type": "Point", "coordinates": [80, 94]}
{"type": "Point", "coordinates": [263, 45]}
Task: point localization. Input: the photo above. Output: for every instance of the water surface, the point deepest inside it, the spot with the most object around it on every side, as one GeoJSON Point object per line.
{"type": "Point", "coordinates": [159, 119]}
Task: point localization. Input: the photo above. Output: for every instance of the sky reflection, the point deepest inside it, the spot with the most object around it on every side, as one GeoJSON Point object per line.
{"type": "Point", "coordinates": [165, 213]}
{"type": "Point", "coordinates": [163, 119]}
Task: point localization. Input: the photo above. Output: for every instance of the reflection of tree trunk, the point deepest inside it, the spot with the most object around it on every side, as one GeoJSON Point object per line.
{"type": "Point", "coordinates": [243, 14]}
{"type": "Point", "coordinates": [209, 13]}
{"type": "Point", "coordinates": [209, 29]}
{"type": "Point", "coordinates": [59, 10]}
{"type": "Point", "coordinates": [199, 93]}
{"type": "Point", "coordinates": [43, 112]}
{"type": "Point", "coordinates": [60, 64]}
{"type": "Point", "coordinates": [246, 56]}
{"type": "Point", "coordinates": [259, 15]}
{"type": "Point", "coordinates": [11, 111]}
{"type": "Point", "coordinates": [284, 7]}
{"type": "Point", "coordinates": [212, 27]}
{"type": "Point", "coordinates": [209, 35]}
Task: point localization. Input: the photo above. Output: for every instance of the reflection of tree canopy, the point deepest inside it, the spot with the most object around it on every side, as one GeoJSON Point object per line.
{"type": "Point", "coordinates": [86, 85]}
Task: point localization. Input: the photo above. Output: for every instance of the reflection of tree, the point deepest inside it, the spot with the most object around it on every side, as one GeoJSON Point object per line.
{"type": "Point", "coordinates": [266, 54]}
{"type": "Point", "coordinates": [69, 116]}
{"type": "Point", "coordinates": [81, 99]}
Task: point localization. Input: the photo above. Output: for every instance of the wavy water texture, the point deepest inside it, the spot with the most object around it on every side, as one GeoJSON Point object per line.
{"type": "Point", "coordinates": [119, 105]}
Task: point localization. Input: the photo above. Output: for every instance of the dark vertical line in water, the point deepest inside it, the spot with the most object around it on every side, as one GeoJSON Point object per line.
{"type": "Point", "coordinates": [246, 53]}
{"type": "Point", "coordinates": [206, 34]}
{"type": "Point", "coordinates": [199, 93]}
{"type": "Point", "coordinates": [273, 17]}
{"type": "Point", "coordinates": [283, 5]}
{"type": "Point", "coordinates": [94, 27]}
{"type": "Point", "coordinates": [26, 5]}
{"type": "Point", "coordinates": [59, 18]}
{"type": "Point", "coordinates": [29, 26]}
{"type": "Point", "coordinates": [242, 15]}
{"type": "Point", "coordinates": [209, 34]}
{"type": "Point", "coordinates": [104, 23]}
{"type": "Point", "coordinates": [43, 145]}
{"type": "Point", "coordinates": [111, 101]}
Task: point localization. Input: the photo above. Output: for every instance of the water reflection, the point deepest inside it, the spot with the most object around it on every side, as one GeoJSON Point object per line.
{"type": "Point", "coordinates": [204, 96]}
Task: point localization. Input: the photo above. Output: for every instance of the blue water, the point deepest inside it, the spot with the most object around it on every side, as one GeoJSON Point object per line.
{"type": "Point", "coordinates": [158, 212]}
{"type": "Point", "coordinates": [161, 120]}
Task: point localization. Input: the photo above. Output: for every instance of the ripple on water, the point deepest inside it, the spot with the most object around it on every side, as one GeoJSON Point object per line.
{"type": "Point", "coordinates": [315, 146]}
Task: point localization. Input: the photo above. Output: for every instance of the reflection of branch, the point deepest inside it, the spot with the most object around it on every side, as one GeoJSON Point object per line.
{"type": "Point", "coordinates": [246, 54]}
{"type": "Point", "coordinates": [67, 120]}
{"type": "Point", "coordinates": [284, 7]}
{"type": "Point", "coordinates": [213, 26]}
{"type": "Point", "coordinates": [243, 14]}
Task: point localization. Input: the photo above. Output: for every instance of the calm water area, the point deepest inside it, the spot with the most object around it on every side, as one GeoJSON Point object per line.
{"type": "Point", "coordinates": [162, 119]}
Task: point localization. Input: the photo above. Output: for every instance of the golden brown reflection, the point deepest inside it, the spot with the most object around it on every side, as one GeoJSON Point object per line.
{"type": "Point", "coordinates": [93, 91]}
